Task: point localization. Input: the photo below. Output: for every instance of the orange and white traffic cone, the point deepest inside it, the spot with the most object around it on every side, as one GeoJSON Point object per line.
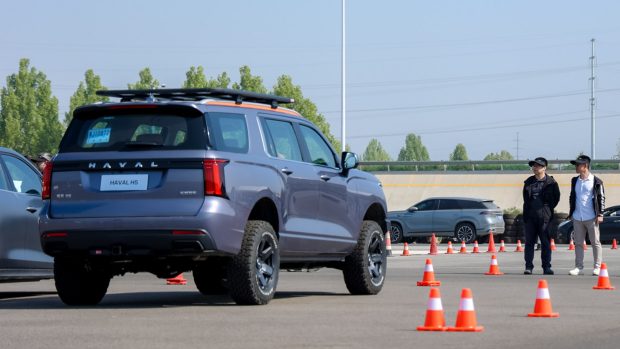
{"type": "Point", "coordinates": [463, 249]}
{"type": "Point", "coordinates": [553, 248]}
{"type": "Point", "coordinates": [433, 250]}
{"type": "Point", "coordinates": [429, 275]}
{"type": "Point", "coordinates": [603, 279]}
{"type": "Point", "coordinates": [388, 243]}
{"type": "Point", "coordinates": [177, 280]}
{"type": "Point", "coordinates": [405, 250]}
{"type": "Point", "coordinates": [491, 248]}
{"type": "Point", "coordinates": [476, 248]}
{"type": "Point", "coordinates": [494, 267]}
{"type": "Point", "coordinates": [519, 247]}
{"type": "Point", "coordinates": [542, 307]}
{"type": "Point", "coordinates": [466, 316]}
{"type": "Point", "coordinates": [449, 250]}
{"type": "Point", "coordinates": [435, 320]}
{"type": "Point", "coordinates": [571, 246]}
{"type": "Point", "coordinates": [502, 247]}
{"type": "Point", "coordinates": [614, 244]}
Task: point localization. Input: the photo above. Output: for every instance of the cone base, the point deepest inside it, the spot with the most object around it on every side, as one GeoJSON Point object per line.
{"type": "Point", "coordinates": [425, 328]}
{"type": "Point", "coordinates": [405, 254]}
{"type": "Point", "coordinates": [429, 283]}
{"type": "Point", "coordinates": [176, 282]}
{"type": "Point", "coordinates": [495, 273]}
{"type": "Point", "coordinates": [466, 329]}
{"type": "Point", "coordinates": [521, 250]}
{"type": "Point", "coordinates": [433, 253]}
{"type": "Point", "coordinates": [492, 251]}
{"type": "Point", "coordinates": [463, 252]}
{"type": "Point", "coordinates": [603, 288]}
{"type": "Point", "coordinates": [543, 315]}
{"type": "Point", "coordinates": [475, 252]}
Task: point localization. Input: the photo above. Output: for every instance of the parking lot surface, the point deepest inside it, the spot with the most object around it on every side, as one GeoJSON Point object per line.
{"type": "Point", "coordinates": [314, 310]}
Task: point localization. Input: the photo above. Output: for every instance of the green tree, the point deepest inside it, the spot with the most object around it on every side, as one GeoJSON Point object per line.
{"type": "Point", "coordinates": [85, 93]}
{"type": "Point", "coordinates": [375, 152]}
{"type": "Point", "coordinates": [502, 155]}
{"type": "Point", "coordinates": [29, 113]}
{"type": "Point", "coordinates": [146, 82]}
{"type": "Point", "coordinates": [196, 78]}
{"type": "Point", "coordinates": [459, 154]}
{"type": "Point", "coordinates": [249, 82]}
{"type": "Point", "coordinates": [413, 150]}
{"type": "Point", "coordinates": [285, 87]}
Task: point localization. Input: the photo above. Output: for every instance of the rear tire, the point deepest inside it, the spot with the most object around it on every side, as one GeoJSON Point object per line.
{"type": "Point", "coordinates": [465, 232]}
{"type": "Point", "coordinates": [78, 284]}
{"type": "Point", "coordinates": [365, 268]}
{"type": "Point", "coordinates": [253, 272]}
{"type": "Point", "coordinates": [210, 276]}
{"type": "Point", "coordinates": [396, 235]}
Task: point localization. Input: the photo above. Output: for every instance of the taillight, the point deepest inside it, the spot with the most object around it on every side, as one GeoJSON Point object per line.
{"type": "Point", "coordinates": [58, 234]}
{"type": "Point", "coordinates": [46, 190]}
{"type": "Point", "coordinates": [213, 171]}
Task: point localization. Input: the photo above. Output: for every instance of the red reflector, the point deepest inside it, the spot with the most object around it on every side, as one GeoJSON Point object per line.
{"type": "Point", "coordinates": [54, 235]}
{"type": "Point", "coordinates": [187, 232]}
{"type": "Point", "coordinates": [213, 170]}
{"type": "Point", "coordinates": [46, 183]}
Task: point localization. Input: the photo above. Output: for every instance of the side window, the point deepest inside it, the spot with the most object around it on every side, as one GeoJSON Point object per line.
{"type": "Point", "coordinates": [427, 205]}
{"type": "Point", "coordinates": [467, 204]}
{"type": "Point", "coordinates": [281, 140]}
{"type": "Point", "coordinates": [3, 183]}
{"type": "Point", "coordinates": [24, 178]}
{"type": "Point", "coordinates": [320, 153]}
{"type": "Point", "coordinates": [229, 132]}
{"type": "Point", "coordinates": [449, 205]}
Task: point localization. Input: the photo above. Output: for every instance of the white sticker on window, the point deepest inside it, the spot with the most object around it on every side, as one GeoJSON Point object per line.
{"type": "Point", "coordinates": [18, 185]}
{"type": "Point", "coordinates": [98, 135]}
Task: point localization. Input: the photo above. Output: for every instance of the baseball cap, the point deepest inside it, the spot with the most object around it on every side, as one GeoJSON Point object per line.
{"type": "Point", "coordinates": [539, 160]}
{"type": "Point", "coordinates": [581, 159]}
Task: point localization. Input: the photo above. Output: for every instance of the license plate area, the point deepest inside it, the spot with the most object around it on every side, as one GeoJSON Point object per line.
{"type": "Point", "coordinates": [124, 182]}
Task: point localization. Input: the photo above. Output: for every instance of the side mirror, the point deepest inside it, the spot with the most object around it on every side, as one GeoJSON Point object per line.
{"type": "Point", "coordinates": [348, 161]}
{"type": "Point", "coordinates": [412, 209]}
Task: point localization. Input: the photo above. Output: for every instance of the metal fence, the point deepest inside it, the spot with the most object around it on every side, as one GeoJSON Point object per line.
{"type": "Point", "coordinates": [479, 165]}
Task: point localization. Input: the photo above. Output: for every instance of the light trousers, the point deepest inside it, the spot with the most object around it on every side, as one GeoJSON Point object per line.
{"type": "Point", "coordinates": [581, 228]}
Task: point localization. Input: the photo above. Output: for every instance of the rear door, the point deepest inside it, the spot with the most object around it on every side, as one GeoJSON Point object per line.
{"type": "Point", "coordinates": [446, 216]}
{"type": "Point", "coordinates": [130, 161]}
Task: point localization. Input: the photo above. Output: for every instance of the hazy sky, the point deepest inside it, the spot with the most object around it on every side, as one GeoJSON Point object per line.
{"type": "Point", "coordinates": [473, 72]}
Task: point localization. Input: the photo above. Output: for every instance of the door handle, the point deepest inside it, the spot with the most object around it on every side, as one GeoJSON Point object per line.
{"type": "Point", "coordinates": [286, 171]}
{"type": "Point", "coordinates": [325, 177]}
{"type": "Point", "coordinates": [31, 209]}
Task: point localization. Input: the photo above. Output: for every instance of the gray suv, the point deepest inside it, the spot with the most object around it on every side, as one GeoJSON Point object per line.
{"type": "Point", "coordinates": [221, 182]}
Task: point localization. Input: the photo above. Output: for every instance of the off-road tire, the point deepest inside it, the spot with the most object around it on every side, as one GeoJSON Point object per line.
{"type": "Point", "coordinates": [365, 268]}
{"type": "Point", "coordinates": [77, 284]}
{"type": "Point", "coordinates": [253, 273]}
{"type": "Point", "coordinates": [210, 276]}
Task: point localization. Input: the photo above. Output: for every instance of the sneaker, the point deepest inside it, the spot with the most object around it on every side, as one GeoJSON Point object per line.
{"type": "Point", "coordinates": [527, 272]}
{"type": "Point", "coordinates": [548, 271]}
{"type": "Point", "coordinates": [596, 271]}
{"type": "Point", "coordinates": [575, 272]}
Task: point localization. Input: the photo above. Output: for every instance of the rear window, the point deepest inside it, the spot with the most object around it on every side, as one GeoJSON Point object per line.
{"type": "Point", "coordinates": [490, 205]}
{"type": "Point", "coordinates": [134, 131]}
{"type": "Point", "coordinates": [228, 132]}
{"type": "Point", "coordinates": [467, 204]}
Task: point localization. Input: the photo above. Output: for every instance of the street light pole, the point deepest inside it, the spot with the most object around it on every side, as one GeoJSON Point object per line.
{"type": "Point", "coordinates": [343, 80]}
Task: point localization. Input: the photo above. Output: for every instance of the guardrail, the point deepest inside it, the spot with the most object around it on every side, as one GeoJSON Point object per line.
{"type": "Point", "coordinates": [479, 165]}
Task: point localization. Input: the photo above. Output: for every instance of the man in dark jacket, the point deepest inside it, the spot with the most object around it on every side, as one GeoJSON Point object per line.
{"type": "Point", "coordinates": [587, 202]}
{"type": "Point", "coordinates": [541, 195]}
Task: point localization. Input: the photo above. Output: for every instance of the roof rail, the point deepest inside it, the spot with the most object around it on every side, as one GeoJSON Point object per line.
{"type": "Point", "coordinates": [196, 94]}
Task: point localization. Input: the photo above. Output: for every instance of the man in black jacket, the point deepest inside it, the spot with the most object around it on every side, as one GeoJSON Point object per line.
{"type": "Point", "coordinates": [541, 195]}
{"type": "Point", "coordinates": [587, 202]}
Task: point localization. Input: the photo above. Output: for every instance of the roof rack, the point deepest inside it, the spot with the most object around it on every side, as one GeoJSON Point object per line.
{"type": "Point", "coordinates": [196, 94]}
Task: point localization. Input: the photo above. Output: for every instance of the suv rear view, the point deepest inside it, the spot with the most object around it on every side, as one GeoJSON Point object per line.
{"type": "Point", "coordinates": [224, 183]}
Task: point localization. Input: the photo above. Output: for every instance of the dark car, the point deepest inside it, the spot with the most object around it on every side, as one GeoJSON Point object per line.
{"type": "Point", "coordinates": [21, 257]}
{"type": "Point", "coordinates": [462, 219]}
{"type": "Point", "coordinates": [609, 228]}
{"type": "Point", "coordinates": [221, 182]}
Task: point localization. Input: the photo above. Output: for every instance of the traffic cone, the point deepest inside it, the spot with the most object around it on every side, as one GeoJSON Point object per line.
{"type": "Point", "coordinates": [614, 245]}
{"type": "Point", "coordinates": [603, 279]}
{"type": "Point", "coordinates": [519, 247]}
{"type": "Point", "coordinates": [405, 250]}
{"type": "Point", "coordinates": [388, 243]}
{"type": "Point", "coordinates": [177, 280]}
{"type": "Point", "coordinates": [542, 307]}
{"type": "Point", "coordinates": [494, 267]}
{"type": "Point", "coordinates": [466, 316]}
{"type": "Point", "coordinates": [502, 247]}
{"type": "Point", "coordinates": [433, 250]}
{"type": "Point", "coordinates": [429, 275]}
{"type": "Point", "coordinates": [449, 250]}
{"type": "Point", "coordinates": [553, 248]}
{"type": "Point", "coordinates": [463, 249]}
{"type": "Point", "coordinates": [491, 248]}
{"type": "Point", "coordinates": [571, 246]}
{"type": "Point", "coordinates": [435, 320]}
{"type": "Point", "coordinates": [476, 249]}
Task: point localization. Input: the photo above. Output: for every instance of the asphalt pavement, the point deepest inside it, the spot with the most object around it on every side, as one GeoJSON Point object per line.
{"type": "Point", "coordinates": [314, 310]}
